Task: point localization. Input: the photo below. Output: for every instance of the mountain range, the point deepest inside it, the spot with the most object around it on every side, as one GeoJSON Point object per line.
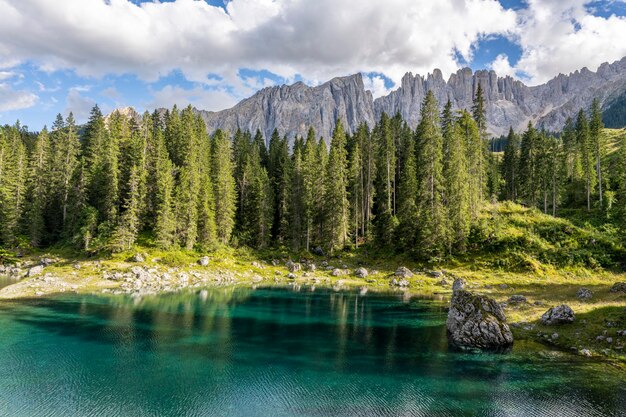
{"type": "Point", "coordinates": [292, 109]}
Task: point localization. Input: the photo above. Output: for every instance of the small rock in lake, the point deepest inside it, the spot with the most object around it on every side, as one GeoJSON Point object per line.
{"type": "Point", "coordinates": [476, 321]}
{"type": "Point", "coordinates": [558, 315]}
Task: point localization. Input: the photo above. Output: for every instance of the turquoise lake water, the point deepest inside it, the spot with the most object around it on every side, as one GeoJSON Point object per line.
{"type": "Point", "coordinates": [272, 352]}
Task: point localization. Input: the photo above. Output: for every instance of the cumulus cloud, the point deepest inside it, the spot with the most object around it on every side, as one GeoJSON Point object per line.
{"type": "Point", "coordinates": [502, 66]}
{"type": "Point", "coordinates": [375, 84]}
{"type": "Point", "coordinates": [198, 97]}
{"type": "Point", "coordinates": [287, 37]}
{"type": "Point", "coordinates": [15, 100]}
{"type": "Point", "coordinates": [78, 104]}
{"type": "Point", "coordinates": [563, 36]}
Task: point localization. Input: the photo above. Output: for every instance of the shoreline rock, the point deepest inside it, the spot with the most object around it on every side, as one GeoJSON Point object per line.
{"type": "Point", "coordinates": [476, 322]}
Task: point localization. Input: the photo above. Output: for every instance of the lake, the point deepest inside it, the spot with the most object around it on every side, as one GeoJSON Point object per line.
{"type": "Point", "coordinates": [277, 352]}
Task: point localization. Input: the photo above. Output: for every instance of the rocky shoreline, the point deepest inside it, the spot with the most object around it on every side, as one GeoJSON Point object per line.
{"type": "Point", "coordinates": [137, 276]}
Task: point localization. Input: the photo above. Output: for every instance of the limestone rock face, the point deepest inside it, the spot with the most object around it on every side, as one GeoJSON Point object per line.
{"type": "Point", "coordinates": [292, 109]}
{"type": "Point", "coordinates": [476, 321]}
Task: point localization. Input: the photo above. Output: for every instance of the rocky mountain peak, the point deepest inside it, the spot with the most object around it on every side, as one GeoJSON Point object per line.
{"type": "Point", "coordinates": [292, 109]}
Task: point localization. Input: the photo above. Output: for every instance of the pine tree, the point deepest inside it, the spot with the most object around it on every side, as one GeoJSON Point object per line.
{"type": "Point", "coordinates": [479, 114]}
{"type": "Point", "coordinates": [597, 143]}
{"type": "Point", "coordinates": [510, 164]}
{"type": "Point", "coordinates": [13, 168]}
{"type": "Point", "coordinates": [336, 199]}
{"type": "Point", "coordinates": [38, 188]}
{"type": "Point", "coordinates": [475, 155]}
{"type": "Point", "coordinates": [101, 165]}
{"type": "Point", "coordinates": [128, 227]}
{"type": "Point", "coordinates": [356, 190]}
{"type": "Point", "coordinates": [385, 220]}
{"type": "Point", "coordinates": [528, 170]}
{"type": "Point", "coordinates": [257, 213]}
{"type": "Point", "coordinates": [222, 168]}
{"type": "Point", "coordinates": [207, 229]}
{"type": "Point", "coordinates": [585, 146]}
{"type": "Point", "coordinates": [165, 223]}
{"type": "Point", "coordinates": [455, 173]}
{"type": "Point", "coordinates": [431, 188]}
{"type": "Point", "coordinates": [408, 216]}
{"type": "Point", "coordinates": [310, 187]}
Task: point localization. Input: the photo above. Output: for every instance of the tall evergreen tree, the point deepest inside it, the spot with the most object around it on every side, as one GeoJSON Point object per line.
{"type": "Point", "coordinates": [597, 142]}
{"type": "Point", "coordinates": [336, 198]}
{"type": "Point", "coordinates": [431, 188]}
{"type": "Point", "coordinates": [585, 146]}
{"type": "Point", "coordinates": [38, 189]}
{"type": "Point", "coordinates": [510, 164]}
{"type": "Point", "coordinates": [455, 174]}
{"type": "Point", "coordinates": [224, 186]}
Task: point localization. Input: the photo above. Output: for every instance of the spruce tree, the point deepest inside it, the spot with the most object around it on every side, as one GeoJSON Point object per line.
{"type": "Point", "coordinates": [597, 142]}
{"type": "Point", "coordinates": [475, 155]}
{"type": "Point", "coordinates": [431, 188]}
{"type": "Point", "coordinates": [336, 199]}
{"type": "Point", "coordinates": [457, 199]}
{"type": "Point", "coordinates": [528, 169]}
{"type": "Point", "coordinates": [586, 150]}
{"type": "Point", "coordinates": [38, 188]}
{"type": "Point", "coordinates": [385, 220]}
{"type": "Point", "coordinates": [222, 168]}
{"type": "Point", "coordinates": [510, 164]}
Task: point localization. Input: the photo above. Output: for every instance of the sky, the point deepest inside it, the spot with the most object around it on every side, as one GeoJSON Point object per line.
{"type": "Point", "coordinates": [65, 56]}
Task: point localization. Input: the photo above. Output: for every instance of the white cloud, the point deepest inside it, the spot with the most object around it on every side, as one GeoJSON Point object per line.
{"type": "Point", "coordinates": [376, 84]}
{"type": "Point", "coordinates": [5, 75]}
{"type": "Point", "coordinates": [198, 97]}
{"type": "Point", "coordinates": [287, 37]}
{"type": "Point", "coordinates": [15, 100]}
{"type": "Point", "coordinates": [562, 36]}
{"type": "Point", "coordinates": [502, 66]}
{"type": "Point", "coordinates": [78, 104]}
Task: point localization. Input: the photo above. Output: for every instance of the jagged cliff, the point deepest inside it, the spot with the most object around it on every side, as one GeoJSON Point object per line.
{"type": "Point", "coordinates": [293, 109]}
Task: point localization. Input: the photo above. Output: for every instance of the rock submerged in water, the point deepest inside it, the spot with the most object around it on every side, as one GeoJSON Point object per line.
{"type": "Point", "coordinates": [558, 315]}
{"type": "Point", "coordinates": [476, 321]}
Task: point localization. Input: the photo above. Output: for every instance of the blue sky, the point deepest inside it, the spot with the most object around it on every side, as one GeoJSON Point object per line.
{"type": "Point", "coordinates": [212, 53]}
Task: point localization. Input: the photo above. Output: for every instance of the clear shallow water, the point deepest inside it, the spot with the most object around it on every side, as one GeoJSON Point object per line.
{"type": "Point", "coordinates": [274, 352]}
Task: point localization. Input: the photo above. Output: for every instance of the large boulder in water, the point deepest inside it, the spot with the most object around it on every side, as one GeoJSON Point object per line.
{"type": "Point", "coordinates": [477, 321]}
